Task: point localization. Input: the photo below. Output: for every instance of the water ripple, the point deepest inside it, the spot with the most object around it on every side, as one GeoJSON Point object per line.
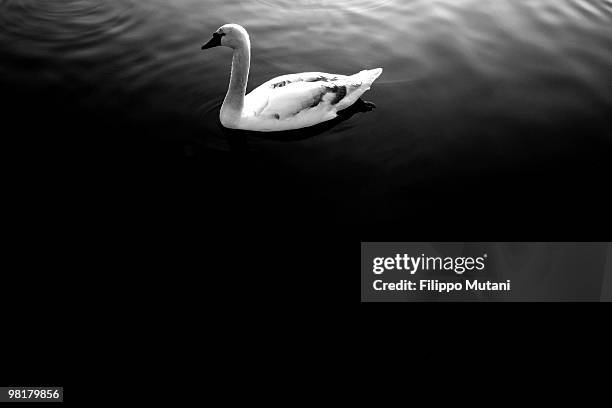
{"type": "Point", "coordinates": [435, 54]}
{"type": "Point", "coordinates": [31, 26]}
{"type": "Point", "coordinates": [322, 5]}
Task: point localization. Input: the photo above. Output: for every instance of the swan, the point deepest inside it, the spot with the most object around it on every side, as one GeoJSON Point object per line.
{"type": "Point", "coordinates": [286, 102]}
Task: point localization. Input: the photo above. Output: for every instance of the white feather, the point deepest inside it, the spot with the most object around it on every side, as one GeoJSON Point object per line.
{"type": "Point", "coordinates": [304, 101]}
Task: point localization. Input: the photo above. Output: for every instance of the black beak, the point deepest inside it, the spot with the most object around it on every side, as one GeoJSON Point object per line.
{"type": "Point", "coordinates": [215, 41]}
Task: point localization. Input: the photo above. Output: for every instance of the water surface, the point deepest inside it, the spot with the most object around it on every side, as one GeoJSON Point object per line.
{"type": "Point", "coordinates": [491, 115]}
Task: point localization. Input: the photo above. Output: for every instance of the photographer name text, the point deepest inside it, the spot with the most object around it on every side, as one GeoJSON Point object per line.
{"type": "Point", "coordinates": [434, 285]}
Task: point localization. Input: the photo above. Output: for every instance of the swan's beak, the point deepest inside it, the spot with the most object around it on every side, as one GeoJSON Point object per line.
{"type": "Point", "coordinates": [215, 41]}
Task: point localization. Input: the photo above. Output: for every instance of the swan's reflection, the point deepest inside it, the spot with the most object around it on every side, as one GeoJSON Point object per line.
{"type": "Point", "coordinates": [237, 139]}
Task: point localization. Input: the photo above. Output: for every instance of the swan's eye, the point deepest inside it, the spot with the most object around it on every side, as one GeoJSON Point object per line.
{"type": "Point", "coordinates": [218, 35]}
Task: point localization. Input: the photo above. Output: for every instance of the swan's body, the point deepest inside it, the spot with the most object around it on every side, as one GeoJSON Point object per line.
{"type": "Point", "coordinates": [286, 102]}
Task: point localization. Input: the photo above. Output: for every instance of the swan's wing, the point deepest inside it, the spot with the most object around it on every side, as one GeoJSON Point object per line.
{"type": "Point", "coordinates": [284, 80]}
{"type": "Point", "coordinates": [261, 93]}
{"type": "Point", "coordinates": [300, 100]}
{"type": "Point", "coordinates": [293, 98]}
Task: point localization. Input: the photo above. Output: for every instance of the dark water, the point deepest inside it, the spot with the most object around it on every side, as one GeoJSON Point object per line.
{"type": "Point", "coordinates": [493, 117]}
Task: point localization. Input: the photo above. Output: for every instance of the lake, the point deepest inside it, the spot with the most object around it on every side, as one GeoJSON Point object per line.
{"type": "Point", "coordinates": [493, 118]}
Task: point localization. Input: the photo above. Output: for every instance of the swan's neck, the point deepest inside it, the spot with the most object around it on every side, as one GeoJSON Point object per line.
{"type": "Point", "coordinates": [234, 99]}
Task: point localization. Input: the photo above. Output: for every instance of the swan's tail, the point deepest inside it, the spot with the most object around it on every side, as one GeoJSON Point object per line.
{"type": "Point", "coordinates": [368, 76]}
{"type": "Point", "coordinates": [357, 85]}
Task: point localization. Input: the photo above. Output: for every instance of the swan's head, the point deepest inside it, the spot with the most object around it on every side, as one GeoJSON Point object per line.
{"type": "Point", "coordinates": [228, 35]}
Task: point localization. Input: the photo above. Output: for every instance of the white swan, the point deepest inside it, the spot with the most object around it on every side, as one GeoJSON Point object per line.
{"type": "Point", "coordinates": [287, 102]}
